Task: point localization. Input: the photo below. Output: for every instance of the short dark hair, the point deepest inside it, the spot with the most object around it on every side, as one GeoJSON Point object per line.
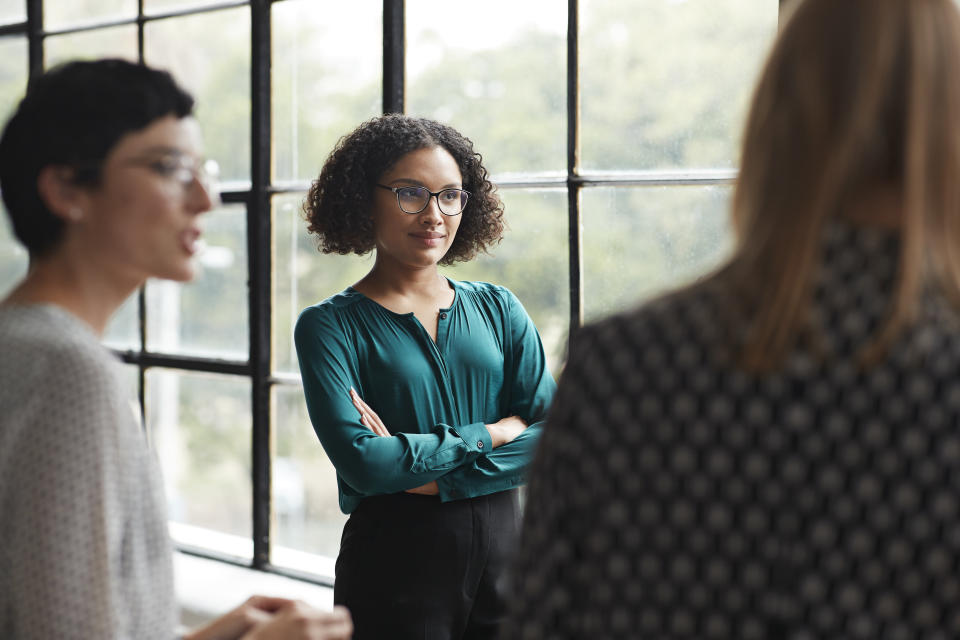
{"type": "Point", "coordinates": [339, 204]}
{"type": "Point", "coordinates": [72, 116]}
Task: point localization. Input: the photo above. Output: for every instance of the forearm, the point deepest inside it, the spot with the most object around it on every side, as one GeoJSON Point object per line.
{"type": "Point", "coordinates": [503, 468]}
{"type": "Point", "coordinates": [374, 465]}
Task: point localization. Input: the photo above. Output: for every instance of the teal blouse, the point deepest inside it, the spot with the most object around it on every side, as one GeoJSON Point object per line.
{"type": "Point", "coordinates": [435, 397]}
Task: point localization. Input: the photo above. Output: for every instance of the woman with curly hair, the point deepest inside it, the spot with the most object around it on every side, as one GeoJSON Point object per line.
{"type": "Point", "coordinates": [426, 393]}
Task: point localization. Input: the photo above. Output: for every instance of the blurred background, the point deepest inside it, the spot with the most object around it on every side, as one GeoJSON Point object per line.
{"type": "Point", "coordinates": [660, 90]}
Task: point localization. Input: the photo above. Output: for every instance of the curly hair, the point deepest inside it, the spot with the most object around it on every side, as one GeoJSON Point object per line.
{"type": "Point", "coordinates": [338, 208]}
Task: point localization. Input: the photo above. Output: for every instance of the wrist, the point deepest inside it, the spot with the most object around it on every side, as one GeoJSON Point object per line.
{"type": "Point", "coordinates": [496, 435]}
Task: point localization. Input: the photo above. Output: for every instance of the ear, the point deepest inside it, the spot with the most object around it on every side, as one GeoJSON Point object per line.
{"type": "Point", "coordinates": [58, 191]}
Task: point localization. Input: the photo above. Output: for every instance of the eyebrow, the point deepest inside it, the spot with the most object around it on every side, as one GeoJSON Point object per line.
{"type": "Point", "coordinates": [165, 150]}
{"type": "Point", "coordinates": [417, 183]}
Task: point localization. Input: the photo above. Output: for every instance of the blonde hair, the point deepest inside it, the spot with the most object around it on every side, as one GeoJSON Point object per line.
{"type": "Point", "coordinates": [856, 95]}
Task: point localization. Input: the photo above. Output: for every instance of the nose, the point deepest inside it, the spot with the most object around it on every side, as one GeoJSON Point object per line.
{"type": "Point", "coordinates": [431, 215]}
{"type": "Point", "coordinates": [202, 195]}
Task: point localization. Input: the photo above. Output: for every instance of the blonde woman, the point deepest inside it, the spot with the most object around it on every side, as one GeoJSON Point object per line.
{"type": "Point", "coordinates": [773, 452]}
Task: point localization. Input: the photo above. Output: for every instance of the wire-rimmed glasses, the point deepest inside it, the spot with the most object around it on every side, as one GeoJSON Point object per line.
{"type": "Point", "coordinates": [182, 169]}
{"type": "Point", "coordinates": [413, 199]}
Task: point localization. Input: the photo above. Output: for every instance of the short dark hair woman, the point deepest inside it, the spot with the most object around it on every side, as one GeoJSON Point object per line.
{"type": "Point", "coordinates": [425, 392]}
{"type": "Point", "coordinates": [773, 452]}
{"type": "Point", "coordinates": [102, 176]}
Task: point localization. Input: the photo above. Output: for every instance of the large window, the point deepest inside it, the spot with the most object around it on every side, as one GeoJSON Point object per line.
{"type": "Point", "coordinates": [611, 128]}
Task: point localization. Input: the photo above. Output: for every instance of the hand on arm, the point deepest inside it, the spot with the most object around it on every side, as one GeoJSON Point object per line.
{"type": "Point", "coordinates": [531, 389]}
{"type": "Point", "coordinates": [506, 430]}
{"type": "Point", "coordinates": [370, 419]}
{"type": "Point", "coordinates": [369, 459]}
{"type": "Point", "coordinates": [501, 432]}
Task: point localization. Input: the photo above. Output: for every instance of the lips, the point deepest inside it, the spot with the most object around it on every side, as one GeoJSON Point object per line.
{"type": "Point", "coordinates": [429, 238]}
{"type": "Point", "coordinates": [190, 240]}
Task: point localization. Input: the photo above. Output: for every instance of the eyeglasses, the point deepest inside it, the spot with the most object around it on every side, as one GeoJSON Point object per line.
{"type": "Point", "coordinates": [415, 199]}
{"type": "Point", "coordinates": [182, 169]}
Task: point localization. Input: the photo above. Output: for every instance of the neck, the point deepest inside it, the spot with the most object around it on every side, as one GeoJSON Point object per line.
{"type": "Point", "coordinates": [77, 286]}
{"type": "Point", "coordinates": [402, 280]}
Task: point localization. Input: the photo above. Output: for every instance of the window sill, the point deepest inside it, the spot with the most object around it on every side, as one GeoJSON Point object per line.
{"type": "Point", "coordinates": [208, 588]}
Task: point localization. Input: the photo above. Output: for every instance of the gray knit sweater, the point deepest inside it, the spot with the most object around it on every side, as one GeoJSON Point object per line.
{"type": "Point", "coordinates": [84, 550]}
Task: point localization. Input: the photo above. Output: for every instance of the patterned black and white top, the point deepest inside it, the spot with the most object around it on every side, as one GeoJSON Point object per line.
{"type": "Point", "coordinates": [675, 496]}
{"type": "Point", "coordinates": [84, 550]}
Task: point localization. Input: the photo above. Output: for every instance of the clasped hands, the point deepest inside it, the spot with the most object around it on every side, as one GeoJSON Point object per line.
{"type": "Point", "coordinates": [501, 432]}
{"type": "Point", "coordinates": [264, 618]}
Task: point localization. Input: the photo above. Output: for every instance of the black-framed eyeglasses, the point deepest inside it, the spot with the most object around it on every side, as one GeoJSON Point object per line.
{"type": "Point", "coordinates": [415, 199]}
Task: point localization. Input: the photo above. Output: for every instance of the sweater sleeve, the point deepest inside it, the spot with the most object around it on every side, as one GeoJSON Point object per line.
{"type": "Point", "coordinates": [66, 515]}
{"type": "Point", "coordinates": [370, 464]}
{"type": "Point", "coordinates": [530, 391]}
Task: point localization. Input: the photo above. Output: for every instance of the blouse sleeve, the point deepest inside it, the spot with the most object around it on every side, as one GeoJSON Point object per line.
{"type": "Point", "coordinates": [531, 388]}
{"type": "Point", "coordinates": [368, 463]}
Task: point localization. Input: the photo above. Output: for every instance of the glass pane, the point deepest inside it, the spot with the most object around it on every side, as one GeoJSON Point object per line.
{"type": "Point", "coordinates": [208, 316]}
{"type": "Point", "coordinates": [665, 83]}
{"type": "Point", "coordinates": [153, 7]}
{"type": "Point", "coordinates": [496, 70]}
{"type": "Point", "coordinates": [13, 83]}
{"type": "Point", "coordinates": [532, 261]}
{"type": "Point", "coordinates": [12, 11]}
{"type": "Point", "coordinates": [199, 425]}
{"type": "Point", "coordinates": [116, 42]}
{"type": "Point", "coordinates": [123, 330]}
{"type": "Point", "coordinates": [210, 55]}
{"type": "Point", "coordinates": [308, 516]}
{"type": "Point", "coordinates": [302, 275]}
{"type": "Point", "coordinates": [13, 257]}
{"type": "Point", "coordinates": [639, 242]}
{"type": "Point", "coordinates": [60, 14]}
{"type": "Point", "coordinates": [327, 78]}
{"type": "Point", "coordinates": [13, 73]}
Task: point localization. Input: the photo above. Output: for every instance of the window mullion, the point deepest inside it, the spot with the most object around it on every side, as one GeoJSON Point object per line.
{"type": "Point", "coordinates": [259, 234]}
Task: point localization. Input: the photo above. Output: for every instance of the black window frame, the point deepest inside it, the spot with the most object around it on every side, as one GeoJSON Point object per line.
{"type": "Point", "coordinates": [257, 199]}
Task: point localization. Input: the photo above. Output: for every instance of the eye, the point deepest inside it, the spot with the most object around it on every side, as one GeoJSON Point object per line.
{"type": "Point", "coordinates": [166, 166]}
{"type": "Point", "coordinates": [451, 195]}
{"type": "Point", "coordinates": [411, 193]}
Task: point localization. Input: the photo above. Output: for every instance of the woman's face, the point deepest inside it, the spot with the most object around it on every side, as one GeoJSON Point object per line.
{"type": "Point", "coordinates": [422, 239]}
{"type": "Point", "coordinates": [142, 218]}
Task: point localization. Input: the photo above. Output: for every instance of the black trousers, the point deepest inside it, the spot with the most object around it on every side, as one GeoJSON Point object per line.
{"type": "Point", "coordinates": [414, 568]}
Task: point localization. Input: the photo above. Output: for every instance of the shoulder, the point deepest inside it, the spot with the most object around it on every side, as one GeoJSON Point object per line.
{"type": "Point", "coordinates": [44, 343]}
{"type": "Point", "coordinates": [326, 312]}
{"type": "Point", "coordinates": [486, 293]}
{"type": "Point", "coordinates": [683, 320]}
{"type": "Point", "coordinates": [56, 381]}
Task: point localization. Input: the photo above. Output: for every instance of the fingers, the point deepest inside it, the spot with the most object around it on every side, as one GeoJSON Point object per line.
{"type": "Point", "coordinates": [380, 427]}
{"type": "Point", "coordinates": [255, 612]}
{"type": "Point", "coordinates": [300, 621]}
{"type": "Point", "coordinates": [268, 603]}
{"type": "Point", "coordinates": [429, 489]}
{"type": "Point", "coordinates": [368, 417]}
{"type": "Point", "coordinates": [337, 624]}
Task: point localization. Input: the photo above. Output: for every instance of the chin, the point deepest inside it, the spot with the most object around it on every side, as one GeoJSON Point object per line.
{"type": "Point", "coordinates": [180, 273]}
